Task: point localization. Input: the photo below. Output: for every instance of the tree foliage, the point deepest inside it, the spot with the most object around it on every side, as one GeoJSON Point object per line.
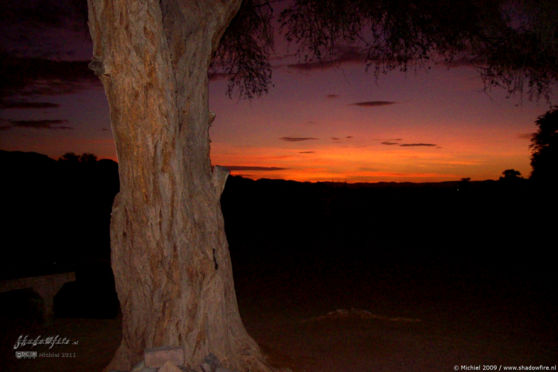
{"type": "Point", "coordinates": [544, 147]}
{"type": "Point", "coordinates": [510, 174]}
{"type": "Point", "coordinates": [511, 43]}
{"type": "Point", "coordinates": [243, 54]}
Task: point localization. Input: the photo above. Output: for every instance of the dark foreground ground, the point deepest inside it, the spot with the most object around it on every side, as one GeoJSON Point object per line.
{"type": "Point", "coordinates": [437, 277]}
{"type": "Point", "coordinates": [329, 277]}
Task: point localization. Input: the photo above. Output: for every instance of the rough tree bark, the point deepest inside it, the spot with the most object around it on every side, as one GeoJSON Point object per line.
{"type": "Point", "coordinates": [169, 250]}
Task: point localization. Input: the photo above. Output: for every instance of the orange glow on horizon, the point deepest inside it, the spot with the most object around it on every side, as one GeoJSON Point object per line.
{"type": "Point", "coordinates": [436, 127]}
{"type": "Point", "coordinates": [366, 164]}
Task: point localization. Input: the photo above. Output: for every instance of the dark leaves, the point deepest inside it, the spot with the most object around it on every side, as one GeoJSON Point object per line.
{"type": "Point", "coordinates": [544, 146]}
{"type": "Point", "coordinates": [243, 54]}
{"type": "Point", "coordinates": [514, 45]}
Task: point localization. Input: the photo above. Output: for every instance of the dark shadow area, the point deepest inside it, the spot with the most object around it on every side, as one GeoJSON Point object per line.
{"type": "Point", "coordinates": [495, 227]}
{"type": "Point", "coordinates": [92, 295]}
{"type": "Point", "coordinates": [473, 261]}
{"type": "Point", "coordinates": [466, 257]}
{"type": "Point", "coordinates": [25, 305]}
{"type": "Point", "coordinates": [56, 219]}
{"type": "Point", "coordinates": [57, 216]}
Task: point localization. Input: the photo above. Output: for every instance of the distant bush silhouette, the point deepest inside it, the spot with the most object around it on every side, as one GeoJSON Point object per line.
{"type": "Point", "coordinates": [544, 146]}
{"type": "Point", "coordinates": [69, 157]}
{"type": "Point", "coordinates": [511, 175]}
{"type": "Point", "coordinates": [463, 184]}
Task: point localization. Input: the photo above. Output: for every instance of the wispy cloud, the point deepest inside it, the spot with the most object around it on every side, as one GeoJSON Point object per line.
{"type": "Point", "coordinates": [40, 76]}
{"type": "Point", "coordinates": [252, 168]}
{"type": "Point", "coordinates": [397, 142]}
{"type": "Point", "coordinates": [43, 27]}
{"type": "Point", "coordinates": [40, 124]}
{"type": "Point", "coordinates": [417, 145]}
{"type": "Point", "coordinates": [297, 139]}
{"type": "Point", "coordinates": [307, 152]}
{"type": "Point", "coordinates": [373, 103]}
{"type": "Point", "coordinates": [331, 96]}
{"type": "Point", "coordinates": [27, 105]}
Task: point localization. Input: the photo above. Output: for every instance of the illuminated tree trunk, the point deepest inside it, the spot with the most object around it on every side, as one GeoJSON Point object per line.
{"type": "Point", "coordinates": [169, 250]}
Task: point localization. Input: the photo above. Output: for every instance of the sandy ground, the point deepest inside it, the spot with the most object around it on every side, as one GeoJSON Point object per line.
{"type": "Point", "coordinates": [380, 324]}
{"type": "Point", "coordinates": [356, 324]}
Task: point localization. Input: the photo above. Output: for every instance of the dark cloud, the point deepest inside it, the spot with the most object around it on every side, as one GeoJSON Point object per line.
{"type": "Point", "coordinates": [396, 142]}
{"type": "Point", "coordinates": [5, 127]}
{"type": "Point", "coordinates": [417, 145]}
{"type": "Point", "coordinates": [332, 96]}
{"type": "Point", "coordinates": [41, 76]}
{"type": "Point", "coordinates": [297, 139]}
{"type": "Point", "coordinates": [373, 103]}
{"type": "Point", "coordinates": [40, 124]}
{"type": "Point", "coordinates": [42, 13]}
{"type": "Point", "coordinates": [525, 135]}
{"type": "Point", "coordinates": [349, 137]}
{"type": "Point", "coordinates": [252, 168]}
{"type": "Point", "coordinates": [335, 138]}
{"type": "Point", "coordinates": [27, 105]}
{"type": "Point", "coordinates": [43, 27]}
{"type": "Point", "coordinates": [307, 152]}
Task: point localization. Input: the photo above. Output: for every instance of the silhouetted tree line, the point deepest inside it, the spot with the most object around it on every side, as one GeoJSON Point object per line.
{"type": "Point", "coordinates": [56, 217]}
{"type": "Point", "coordinates": [57, 212]}
{"type": "Point", "coordinates": [544, 146]}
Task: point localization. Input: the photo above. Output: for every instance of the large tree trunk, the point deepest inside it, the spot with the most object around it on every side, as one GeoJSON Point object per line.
{"type": "Point", "coordinates": [169, 251]}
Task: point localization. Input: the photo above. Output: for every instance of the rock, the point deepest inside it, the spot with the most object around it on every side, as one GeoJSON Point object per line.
{"type": "Point", "coordinates": [156, 357]}
{"type": "Point", "coordinates": [169, 367]}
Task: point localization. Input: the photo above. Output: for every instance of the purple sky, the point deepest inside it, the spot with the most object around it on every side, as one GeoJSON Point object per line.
{"type": "Point", "coordinates": [316, 124]}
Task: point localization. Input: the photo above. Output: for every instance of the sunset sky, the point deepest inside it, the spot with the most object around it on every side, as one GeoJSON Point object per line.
{"type": "Point", "coordinates": [316, 124]}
